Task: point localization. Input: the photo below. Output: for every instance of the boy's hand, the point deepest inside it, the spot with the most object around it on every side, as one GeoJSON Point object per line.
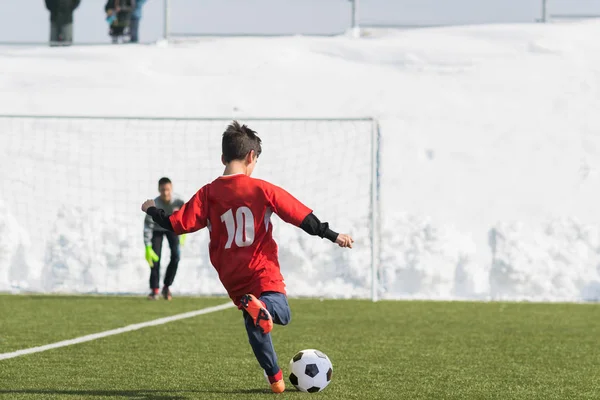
{"type": "Point", "coordinates": [147, 204]}
{"type": "Point", "coordinates": [344, 240]}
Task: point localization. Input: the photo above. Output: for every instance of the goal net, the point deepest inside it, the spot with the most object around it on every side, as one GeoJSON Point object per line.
{"type": "Point", "coordinates": [71, 190]}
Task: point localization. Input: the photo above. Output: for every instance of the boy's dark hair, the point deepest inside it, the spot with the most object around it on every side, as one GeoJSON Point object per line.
{"type": "Point", "coordinates": [238, 141]}
{"type": "Point", "coordinates": [163, 181]}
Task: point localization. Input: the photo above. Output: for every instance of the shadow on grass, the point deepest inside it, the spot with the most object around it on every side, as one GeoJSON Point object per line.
{"type": "Point", "coordinates": [134, 394]}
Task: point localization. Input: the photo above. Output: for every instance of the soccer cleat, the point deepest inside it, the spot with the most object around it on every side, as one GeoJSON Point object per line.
{"type": "Point", "coordinates": [153, 295]}
{"type": "Point", "coordinates": [278, 387]}
{"type": "Point", "coordinates": [258, 312]}
{"type": "Point", "coordinates": [166, 293]}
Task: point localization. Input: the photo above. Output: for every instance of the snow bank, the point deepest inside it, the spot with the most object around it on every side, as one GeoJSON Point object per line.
{"type": "Point", "coordinates": [17, 269]}
{"type": "Point", "coordinates": [559, 262]}
{"type": "Point", "coordinates": [314, 267]}
{"type": "Point", "coordinates": [86, 253]}
{"type": "Point", "coordinates": [482, 125]}
{"type": "Point", "coordinates": [421, 260]}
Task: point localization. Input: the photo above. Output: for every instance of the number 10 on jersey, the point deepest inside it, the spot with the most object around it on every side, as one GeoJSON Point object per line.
{"type": "Point", "coordinates": [240, 228]}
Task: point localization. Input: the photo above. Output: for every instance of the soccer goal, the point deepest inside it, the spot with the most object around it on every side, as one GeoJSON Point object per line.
{"type": "Point", "coordinates": [71, 188]}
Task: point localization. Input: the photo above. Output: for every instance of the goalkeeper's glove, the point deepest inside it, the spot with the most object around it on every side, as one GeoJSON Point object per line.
{"type": "Point", "coordinates": [151, 256]}
{"type": "Point", "coordinates": [182, 239]}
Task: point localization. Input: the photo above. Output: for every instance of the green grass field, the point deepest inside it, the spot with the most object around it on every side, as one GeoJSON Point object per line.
{"type": "Point", "coordinates": [385, 350]}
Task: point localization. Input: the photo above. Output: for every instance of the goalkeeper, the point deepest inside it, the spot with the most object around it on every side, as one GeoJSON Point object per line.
{"type": "Point", "coordinates": [153, 239]}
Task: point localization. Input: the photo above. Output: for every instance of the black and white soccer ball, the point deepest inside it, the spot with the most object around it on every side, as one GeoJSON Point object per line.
{"type": "Point", "coordinates": [310, 371]}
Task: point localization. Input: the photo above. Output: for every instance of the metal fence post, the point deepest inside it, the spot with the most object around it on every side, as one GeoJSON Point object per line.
{"type": "Point", "coordinates": [166, 7]}
{"type": "Point", "coordinates": [355, 28]}
{"type": "Point", "coordinates": [544, 11]}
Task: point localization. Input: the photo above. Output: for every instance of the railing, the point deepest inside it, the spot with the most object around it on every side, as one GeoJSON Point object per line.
{"type": "Point", "coordinates": [28, 21]}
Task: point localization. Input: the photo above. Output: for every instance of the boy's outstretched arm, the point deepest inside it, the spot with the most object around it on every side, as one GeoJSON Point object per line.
{"type": "Point", "coordinates": [292, 211]}
{"type": "Point", "coordinates": [192, 216]}
{"type": "Point", "coordinates": [158, 215]}
{"type": "Point", "coordinates": [313, 226]}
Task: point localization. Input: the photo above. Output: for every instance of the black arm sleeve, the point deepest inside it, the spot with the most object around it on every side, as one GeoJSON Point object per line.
{"type": "Point", "coordinates": [313, 226]}
{"type": "Point", "coordinates": [158, 215]}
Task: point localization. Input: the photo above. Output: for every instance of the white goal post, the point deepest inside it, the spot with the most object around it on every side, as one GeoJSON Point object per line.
{"type": "Point", "coordinates": [71, 187]}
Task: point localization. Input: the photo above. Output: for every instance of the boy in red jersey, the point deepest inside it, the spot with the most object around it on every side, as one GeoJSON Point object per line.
{"type": "Point", "coordinates": [237, 211]}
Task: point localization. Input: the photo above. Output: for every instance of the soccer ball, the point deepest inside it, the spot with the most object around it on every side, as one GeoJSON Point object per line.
{"type": "Point", "coordinates": [310, 371]}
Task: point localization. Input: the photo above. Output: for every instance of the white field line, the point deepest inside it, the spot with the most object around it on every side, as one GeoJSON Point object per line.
{"type": "Point", "coordinates": [128, 328]}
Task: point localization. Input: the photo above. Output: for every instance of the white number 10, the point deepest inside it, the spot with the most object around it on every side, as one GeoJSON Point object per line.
{"type": "Point", "coordinates": [244, 232]}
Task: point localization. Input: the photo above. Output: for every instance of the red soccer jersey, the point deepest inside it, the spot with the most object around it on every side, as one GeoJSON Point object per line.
{"type": "Point", "coordinates": [237, 210]}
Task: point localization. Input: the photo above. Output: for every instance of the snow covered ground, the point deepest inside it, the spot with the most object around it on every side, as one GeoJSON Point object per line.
{"type": "Point", "coordinates": [490, 174]}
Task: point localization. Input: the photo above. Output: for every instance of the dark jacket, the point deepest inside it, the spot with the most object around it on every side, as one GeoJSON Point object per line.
{"type": "Point", "coordinates": [61, 11]}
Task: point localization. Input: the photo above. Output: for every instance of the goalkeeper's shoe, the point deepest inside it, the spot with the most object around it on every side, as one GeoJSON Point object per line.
{"type": "Point", "coordinates": [166, 293]}
{"type": "Point", "coordinates": [259, 313]}
{"type": "Point", "coordinates": [153, 295]}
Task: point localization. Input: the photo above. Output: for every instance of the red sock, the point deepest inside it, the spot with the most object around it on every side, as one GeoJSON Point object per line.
{"type": "Point", "coordinates": [155, 291]}
{"type": "Point", "coordinates": [277, 377]}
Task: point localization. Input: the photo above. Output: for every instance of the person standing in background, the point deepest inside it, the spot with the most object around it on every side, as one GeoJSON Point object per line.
{"type": "Point", "coordinates": [153, 239]}
{"type": "Point", "coordinates": [135, 21]}
{"type": "Point", "coordinates": [61, 21]}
